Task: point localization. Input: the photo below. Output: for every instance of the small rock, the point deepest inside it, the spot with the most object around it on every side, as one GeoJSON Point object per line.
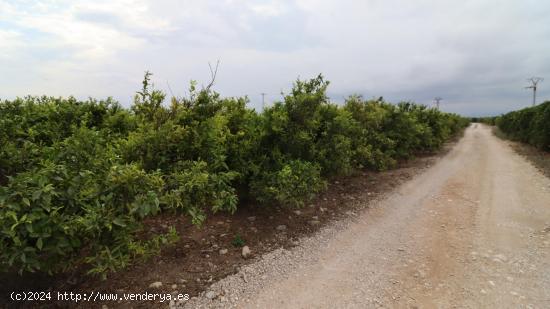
{"type": "Point", "coordinates": [315, 218]}
{"type": "Point", "coordinates": [297, 212]}
{"type": "Point", "coordinates": [155, 285]}
{"type": "Point", "coordinates": [104, 307]}
{"type": "Point", "coordinates": [223, 251]}
{"type": "Point", "coordinates": [210, 294]}
{"type": "Point", "coordinates": [281, 227]}
{"type": "Point", "coordinates": [314, 222]}
{"type": "Point", "coordinates": [174, 286]}
{"type": "Point", "coordinates": [500, 257]}
{"type": "Point", "coordinates": [72, 281]}
{"type": "Point", "coordinates": [251, 218]}
{"type": "Point", "coordinates": [246, 252]}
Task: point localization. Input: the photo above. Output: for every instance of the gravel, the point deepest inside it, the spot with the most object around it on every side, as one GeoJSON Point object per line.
{"type": "Point", "coordinates": [246, 252]}
{"type": "Point", "coordinates": [395, 254]}
{"type": "Point", "coordinates": [279, 264]}
{"type": "Point", "coordinates": [155, 285]}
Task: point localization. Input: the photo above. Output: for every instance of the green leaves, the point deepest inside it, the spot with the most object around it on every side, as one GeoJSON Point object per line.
{"type": "Point", "coordinates": [529, 125]}
{"type": "Point", "coordinates": [77, 178]}
{"type": "Point", "coordinates": [193, 188]}
{"type": "Point", "coordinates": [387, 133]}
{"type": "Point", "coordinates": [293, 184]}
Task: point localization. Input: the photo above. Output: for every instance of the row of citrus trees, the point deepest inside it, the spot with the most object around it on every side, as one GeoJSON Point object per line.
{"type": "Point", "coordinates": [529, 125]}
{"type": "Point", "coordinates": [78, 177]}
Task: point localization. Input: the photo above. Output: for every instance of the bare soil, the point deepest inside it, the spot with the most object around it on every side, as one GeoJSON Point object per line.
{"type": "Point", "coordinates": [539, 158]}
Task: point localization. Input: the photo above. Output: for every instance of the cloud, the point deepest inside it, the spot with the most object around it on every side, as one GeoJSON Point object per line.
{"type": "Point", "coordinates": [9, 42]}
{"type": "Point", "coordinates": [272, 9]}
{"type": "Point", "coordinates": [474, 54]}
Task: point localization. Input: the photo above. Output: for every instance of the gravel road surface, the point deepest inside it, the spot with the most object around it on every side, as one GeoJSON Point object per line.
{"type": "Point", "coordinates": [472, 231]}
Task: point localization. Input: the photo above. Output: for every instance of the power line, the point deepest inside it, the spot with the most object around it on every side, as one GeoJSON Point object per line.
{"type": "Point", "coordinates": [263, 100]}
{"type": "Point", "coordinates": [534, 82]}
{"type": "Point", "coordinates": [437, 100]}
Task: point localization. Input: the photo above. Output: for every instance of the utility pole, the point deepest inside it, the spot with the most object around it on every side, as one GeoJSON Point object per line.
{"type": "Point", "coordinates": [263, 100]}
{"type": "Point", "coordinates": [437, 100]}
{"type": "Point", "coordinates": [534, 82]}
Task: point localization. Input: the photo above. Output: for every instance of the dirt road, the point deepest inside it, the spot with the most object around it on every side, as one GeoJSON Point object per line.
{"type": "Point", "coordinates": [473, 231]}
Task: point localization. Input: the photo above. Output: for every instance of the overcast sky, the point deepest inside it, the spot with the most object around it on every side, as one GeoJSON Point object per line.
{"type": "Point", "coordinates": [475, 54]}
